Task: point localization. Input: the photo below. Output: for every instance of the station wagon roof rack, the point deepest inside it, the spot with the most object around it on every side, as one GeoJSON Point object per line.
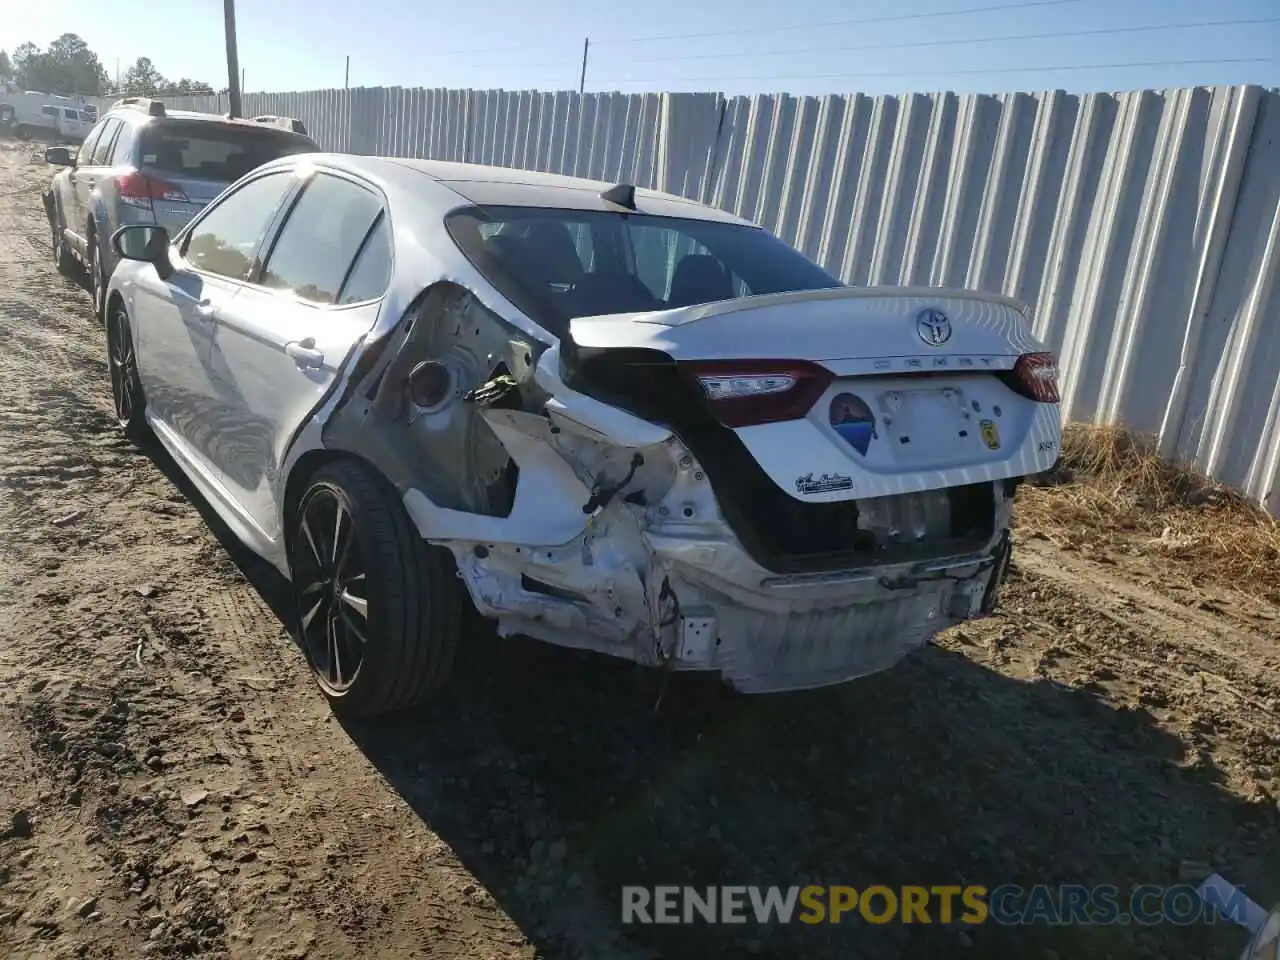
{"type": "Point", "coordinates": [292, 124]}
{"type": "Point", "coordinates": [153, 107]}
{"type": "Point", "coordinates": [623, 194]}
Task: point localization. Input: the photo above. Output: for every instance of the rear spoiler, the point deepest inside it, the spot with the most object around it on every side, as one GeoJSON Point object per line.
{"type": "Point", "coordinates": [292, 124]}
{"type": "Point", "coordinates": [681, 315]}
{"type": "Point", "coordinates": [153, 107]}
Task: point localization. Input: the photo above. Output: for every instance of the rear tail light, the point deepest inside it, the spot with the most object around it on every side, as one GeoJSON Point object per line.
{"type": "Point", "coordinates": [138, 190]}
{"type": "Point", "coordinates": [1035, 376]}
{"type": "Point", "coordinates": [745, 393]}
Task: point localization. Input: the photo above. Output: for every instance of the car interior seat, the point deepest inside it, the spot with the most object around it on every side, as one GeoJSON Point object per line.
{"type": "Point", "coordinates": [552, 244]}
{"type": "Point", "coordinates": [699, 278]}
{"type": "Point", "coordinates": [607, 291]}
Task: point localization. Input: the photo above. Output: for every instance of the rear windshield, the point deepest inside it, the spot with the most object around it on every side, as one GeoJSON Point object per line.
{"type": "Point", "coordinates": [557, 265]}
{"type": "Point", "coordinates": [215, 151]}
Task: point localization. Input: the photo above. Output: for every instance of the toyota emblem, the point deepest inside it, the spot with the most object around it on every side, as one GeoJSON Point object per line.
{"type": "Point", "coordinates": [933, 326]}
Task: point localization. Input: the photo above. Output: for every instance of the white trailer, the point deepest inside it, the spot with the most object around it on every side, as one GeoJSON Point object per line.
{"type": "Point", "coordinates": [31, 113]}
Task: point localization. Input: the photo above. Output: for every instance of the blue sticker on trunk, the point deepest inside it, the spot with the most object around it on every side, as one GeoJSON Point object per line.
{"type": "Point", "coordinates": [853, 420]}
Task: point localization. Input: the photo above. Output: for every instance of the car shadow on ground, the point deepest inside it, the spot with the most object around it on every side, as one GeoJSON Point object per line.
{"type": "Point", "coordinates": [558, 778]}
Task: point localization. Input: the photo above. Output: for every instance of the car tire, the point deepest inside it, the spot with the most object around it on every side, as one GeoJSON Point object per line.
{"type": "Point", "coordinates": [378, 613]}
{"type": "Point", "coordinates": [62, 256]}
{"type": "Point", "coordinates": [97, 276]}
{"type": "Point", "coordinates": [126, 387]}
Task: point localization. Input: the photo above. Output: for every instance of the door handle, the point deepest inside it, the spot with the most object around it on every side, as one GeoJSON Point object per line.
{"type": "Point", "coordinates": [304, 353]}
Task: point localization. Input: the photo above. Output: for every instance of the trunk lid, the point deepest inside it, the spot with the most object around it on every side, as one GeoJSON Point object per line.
{"type": "Point", "coordinates": [898, 390]}
{"type": "Point", "coordinates": [844, 323]}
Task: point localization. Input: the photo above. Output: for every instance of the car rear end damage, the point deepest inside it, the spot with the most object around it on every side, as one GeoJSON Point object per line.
{"type": "Point", "coordinates": [615, 499]}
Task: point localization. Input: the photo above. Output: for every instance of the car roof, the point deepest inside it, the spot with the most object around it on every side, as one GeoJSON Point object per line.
{"type": "Point", "coordinates": [505, 186]}
{"type": "Point", "coordinates": [142, 117]}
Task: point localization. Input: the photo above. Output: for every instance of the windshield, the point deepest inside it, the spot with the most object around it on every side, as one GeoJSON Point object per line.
{"type": "Point", "coordinates": [557, 265]}
{"type": "Point", "coordinates": [215, 151]}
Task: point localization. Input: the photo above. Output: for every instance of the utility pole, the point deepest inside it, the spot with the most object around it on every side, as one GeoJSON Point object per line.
{"type": "Point", "coordinates": [582, 81]}
{"type": "Point", "coordinates": [346, 78]}
{"type": "Point", "coordinates": [235, 76]}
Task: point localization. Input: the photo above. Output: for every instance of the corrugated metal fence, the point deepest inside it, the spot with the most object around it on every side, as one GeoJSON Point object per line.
{"type": "Point", "coordinates": [1143, 228]}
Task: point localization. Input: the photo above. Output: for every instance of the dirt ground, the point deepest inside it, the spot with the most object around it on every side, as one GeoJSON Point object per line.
{"type": "Point", "coordinates": [171, 784]}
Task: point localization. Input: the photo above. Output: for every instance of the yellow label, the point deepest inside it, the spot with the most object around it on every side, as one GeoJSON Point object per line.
{"type": "Point", "coordinates": [990, 434]}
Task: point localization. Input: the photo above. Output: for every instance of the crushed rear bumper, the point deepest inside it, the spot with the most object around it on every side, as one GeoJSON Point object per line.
{"type": "Point", "coordinates": [690, 600]}
{"type": "Point", "coordinates": [799, 633]}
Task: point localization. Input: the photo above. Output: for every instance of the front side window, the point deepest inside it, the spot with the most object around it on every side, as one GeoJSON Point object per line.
{"type": "Point", "coordinates": [226, 239]}
{"type": "Point", "coordinates": [321, 237]}
{"type": "Point", "coordinates": [557, 265]}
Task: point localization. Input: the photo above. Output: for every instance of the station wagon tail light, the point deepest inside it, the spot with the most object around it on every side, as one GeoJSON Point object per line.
{"type": "Point", "coordinates": [743, 393]}
{"type": "Point", "coordinates": [139, 190]}
{"type": "Point", "coordinates": [1035, 376]}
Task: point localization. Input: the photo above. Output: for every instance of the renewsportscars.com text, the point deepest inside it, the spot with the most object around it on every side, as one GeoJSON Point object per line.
{"type": "Point", "coordinates": [1006, 905]}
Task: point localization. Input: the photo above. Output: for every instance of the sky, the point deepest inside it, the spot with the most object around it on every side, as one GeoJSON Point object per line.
{"type": "Point", "coordinates": [732, 46]}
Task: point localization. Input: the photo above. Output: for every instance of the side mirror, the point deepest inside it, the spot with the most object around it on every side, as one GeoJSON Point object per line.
{"type": "Point", "coordinates": [147, 244]}
{"type": "Point", "coordinates": [59, 157]}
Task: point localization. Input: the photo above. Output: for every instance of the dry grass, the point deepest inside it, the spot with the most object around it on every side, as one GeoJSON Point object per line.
{"type": "Point", "coordinates": [1113, 490]}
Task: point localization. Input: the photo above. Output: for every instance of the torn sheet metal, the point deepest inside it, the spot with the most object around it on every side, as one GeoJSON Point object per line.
{"type": "Point", "coordinates": [448, 452]}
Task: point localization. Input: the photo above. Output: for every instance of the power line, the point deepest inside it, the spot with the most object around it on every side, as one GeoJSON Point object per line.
{"type": "Point", "coordinates": [772, 29]}
{"type": "Point", "coordinates": [862, 21]}
{"type": "Point", "coordinates": [941, 73]}
{"type": "Point", "coordinates": [946, 43]}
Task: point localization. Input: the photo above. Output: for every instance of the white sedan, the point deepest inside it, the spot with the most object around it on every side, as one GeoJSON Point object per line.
{"type": "Point", "coordinates": [606, 417]}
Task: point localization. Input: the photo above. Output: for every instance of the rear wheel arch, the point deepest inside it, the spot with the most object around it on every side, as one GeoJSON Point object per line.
{"type": "Point", "coordinates": [307, 466]}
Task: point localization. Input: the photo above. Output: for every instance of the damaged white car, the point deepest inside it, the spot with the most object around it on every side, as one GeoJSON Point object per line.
{"type": "Point", "coordinates": [606, 417]}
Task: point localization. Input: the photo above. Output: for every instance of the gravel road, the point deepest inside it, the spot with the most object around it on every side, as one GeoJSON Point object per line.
{"type": "Point", "coordinates": [172, 785]}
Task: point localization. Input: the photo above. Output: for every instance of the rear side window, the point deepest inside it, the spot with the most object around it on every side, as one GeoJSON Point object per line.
{"type": "Point", "coordinates": [203, 150]}
{"type": "Point", "coordinates": [103, 148]}
{"type": "Point", "coordinates": [371, 272]}
{"type": "Point", "coordinates": [90, 142]}
{"type": "Point", "coordinates": [321, 237]}
{"type": "Point", "coordinates": [225, 240]}
{"type": "Point", "coordinates": [122, 149]}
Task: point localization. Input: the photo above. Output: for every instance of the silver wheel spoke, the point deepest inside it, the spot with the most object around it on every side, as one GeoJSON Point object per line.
{"type": "Point", "coordinates": [341, 543]}
{"type": "Point", "coordinates": [338, 514]}
{"type": "Point", "coordinates": [335, 659]}
{"type": "Point", "coordinates": [350, 625]}
{"type": "Point", "coordinates": [311, 542]}
{"type": "Point", "coordinates": [313, 587]}
{"type": "Point", "coordinates": [311, 614]}
{"type": "Point", "coordinates": [358, 604]}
